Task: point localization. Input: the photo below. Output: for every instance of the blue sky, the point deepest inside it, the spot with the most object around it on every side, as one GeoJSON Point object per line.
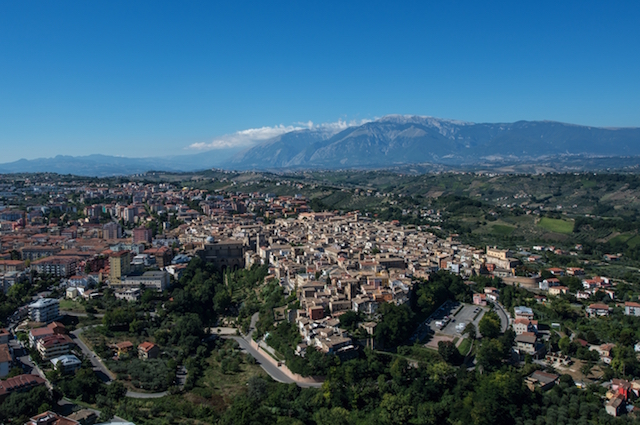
{"type": "Point", "coordinates": [148, 78]}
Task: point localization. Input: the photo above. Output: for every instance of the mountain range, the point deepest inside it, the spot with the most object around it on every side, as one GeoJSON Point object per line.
{"type": "Point", "coordinates": [393, 140]}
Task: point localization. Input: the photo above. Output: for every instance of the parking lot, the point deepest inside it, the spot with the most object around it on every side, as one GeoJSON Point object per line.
{"type": "Point", "coordinates": [453, 324]}
{"type": "Point", "coordinates": [429, 330]}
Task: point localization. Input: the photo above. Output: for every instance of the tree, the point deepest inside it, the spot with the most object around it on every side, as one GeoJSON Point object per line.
{"type": "Point", "coordinates": [490, 354]}
{"type": "Point", "coordinates": [349, 320]}
{"type": "Point", "coordinates": [116, 391]}
{"type": "Point", "coordinates": [19, 406]}
{"type": "Point", "coordinates": [489, 325]}
{"type": "Point", "coordinates": [470, 330]}
{"type": "Point", "coordinates": [395, 325]}
{"type": "Point", "coordinates": [586, 368]}
{"type": "Point", "coordinates": [335, 416]}
{"type": "Point", "coordinates": [119, 317]}
{"type": "Point", "coordinates": [449, 352]}
{"type": "Point", "coordinates": [565, 345]}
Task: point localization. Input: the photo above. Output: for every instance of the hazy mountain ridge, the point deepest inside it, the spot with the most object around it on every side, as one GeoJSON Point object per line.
{"type": "Point", "coordinates": [394, 140]}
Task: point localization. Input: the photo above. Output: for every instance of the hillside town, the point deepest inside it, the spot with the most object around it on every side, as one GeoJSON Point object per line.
{"type": "Point", "coordinates": [92, 239]}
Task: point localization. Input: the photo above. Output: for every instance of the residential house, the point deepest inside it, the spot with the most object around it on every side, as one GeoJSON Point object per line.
{"type": "Point", "coordinates": [527, 343]}
{"type": "Point", "coordinates": [548, 283]}
{"type": "Point", "coordinates": [523, 312]}
{"type": "Point", "coordinates": [583, 295]}
{"type": "Point", "coordinates": [39, 333]}
{"type": "Point", "coordinates": [542, 380]}
{"type": "Point", "coordinates": [632, 309]}
{"type": "Point", "coordinates": [51, 418]}
{"type": "Point", "coordinates": [615, 406]}
{"type": "Point", "coordinates": [148, 350]}
{"type": "Point", "coordinates": [575, 271]}
{"type": "Point", "coordinates": [53, 346]}
{"type": "Point", "coordinates": [480, 299]}
{"type": "Point", "coordinates": [130, 295]}
{"type": "Point", "coordinates": [491, 293]}
{"type": "Point", "coordinates": [124, 348]}
{"type": "Point", "coordinates": [67, 363]}
{"type": "Point", "coordinates": [523, 325]}
{"type": "Point", "coordinates": [5, 336]}
{"type": "Point", "coordinates": [6, 359]}
{"type": "Point", "coordinates": [20, 383]}
{"type": "Point", "coordinates": [556, 271]}
{"type": "Point", "coordinates": [597, 309]}
{"type": "Point", "coordinates": [557, 290]}
{"type": "Point", "coordinates": [604, 351]}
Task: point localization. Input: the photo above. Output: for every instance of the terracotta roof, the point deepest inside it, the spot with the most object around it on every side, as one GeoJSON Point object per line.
{"type": "Point", "coordinates": [19, 382]}
{"type": "Point", "coordinates": [124, 345]}
{"type": "Point", "coordinates": [53, 340]}
{"type": "Point", "coordinates": [5, 354]}
{"type": "Point", "coordinates": [41, 332]}
{"type": "Point", "coordinates": [146, 346]}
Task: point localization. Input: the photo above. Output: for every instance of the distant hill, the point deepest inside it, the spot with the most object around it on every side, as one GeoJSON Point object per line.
{"type": "Point", "coordinates": [105, 165]}
{"type": "Point", "coordinates": [392, 141]}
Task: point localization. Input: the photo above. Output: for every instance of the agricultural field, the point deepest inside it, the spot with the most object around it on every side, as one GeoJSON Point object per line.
{"type": "Point", "coordinates": [556, 225]}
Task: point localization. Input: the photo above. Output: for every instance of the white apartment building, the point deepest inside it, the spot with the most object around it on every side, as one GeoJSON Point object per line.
{"type": "Point", "coordinates": [44, 310]}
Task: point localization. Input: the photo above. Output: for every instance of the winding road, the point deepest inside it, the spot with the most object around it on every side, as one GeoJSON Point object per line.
{"type": "Point", "coordinates": [504, 316]}
{"type": "Point", "coordinates": [244, 342]}
{"type": "Point", "coordinates": [266, 363]}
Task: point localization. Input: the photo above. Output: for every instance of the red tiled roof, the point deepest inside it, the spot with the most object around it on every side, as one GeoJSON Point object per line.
{"type": "Point", "coordinates": [53, 340]}
{"type": "Point", "coordinates": [146, 346]}
{"type": "Point", "coordinates": [19, 382]}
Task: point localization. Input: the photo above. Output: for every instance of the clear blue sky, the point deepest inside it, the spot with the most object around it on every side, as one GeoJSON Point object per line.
{"type": "Point", "coordinates": [147, 78]}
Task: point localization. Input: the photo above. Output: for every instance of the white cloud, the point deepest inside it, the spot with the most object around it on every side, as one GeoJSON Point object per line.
{"type": "Point", "coordinates": [252, 136]}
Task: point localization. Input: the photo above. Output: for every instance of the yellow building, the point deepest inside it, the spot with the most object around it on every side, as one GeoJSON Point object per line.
{"type": "Point", "coordinates": [119, 265]}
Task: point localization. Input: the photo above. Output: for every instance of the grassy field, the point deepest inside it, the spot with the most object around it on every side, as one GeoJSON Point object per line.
{"type": "Point", "coordinates": [464, 346]}
{"type": "Point", "coordinates": [71, 305]}
{"type": "Point", "coordinates": [500, 229]}
{"type": "Point", "coordinates": [634, 241]}
{"type": "Point", "coordinates": [556, 225]}
{"type": "Point", "coordinates": [620, 239]}
{"type": "Point", "coordinates": [229, 384]}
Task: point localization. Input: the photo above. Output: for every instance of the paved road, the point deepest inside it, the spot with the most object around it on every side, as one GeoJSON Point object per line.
{"type": "Point", "coordinates": [221, 330]}
{"type": "Point", "coordinates": [103, 372]}
{"type": "Point", "coordinates": [271, 369]}
{"type": "Point", "coordinates": [504, 316]}
{"type": "Point", "coordinates": [75, 314]}
{"type": "Point", "coordinates": [28, 366]}
{"type": "Point", "coordinates": [98, 315]}
{"type": "Point", "coordinates": [133, 394]}
{"type": "Point", "coordinates": [276, 373]}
